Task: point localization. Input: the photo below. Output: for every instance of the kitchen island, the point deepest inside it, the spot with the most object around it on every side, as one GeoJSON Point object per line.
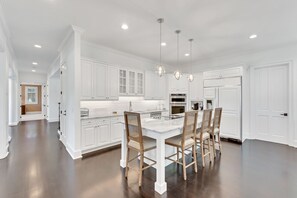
{"type": "Point", "coordinates": [160, 130]}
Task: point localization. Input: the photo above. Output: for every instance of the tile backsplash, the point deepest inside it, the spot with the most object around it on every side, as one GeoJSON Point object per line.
{"type": "Point", "coordinates": [138, 104]}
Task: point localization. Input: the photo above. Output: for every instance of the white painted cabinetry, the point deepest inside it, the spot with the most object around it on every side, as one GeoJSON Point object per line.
{"type": "Point", "coordinates": [178, 86]}
{"type": "Point", "coordinates": [155, 86]}
{"type": "Point", "coordinates": [131, 83]}
{"type": "Point", "coordinates": [225, 73]}
{"type": "Point", "coordinates": [100, 133]}
{"type": "Point", "coordinates": [99, 81]}
{"type": "Point", "coordinates": [196, 88]}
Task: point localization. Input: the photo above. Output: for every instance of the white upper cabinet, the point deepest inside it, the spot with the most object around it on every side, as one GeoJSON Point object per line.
{"type": "Point", "coordinates": [196, 88]}
{"type": "Point", "coordinates": [131, 83]}
{"type": "Point", "coordinates": [123, 82]}
{"type": "Point", "coordinates": [86, 81]}
{"type": "Point", "coordinates": [113, 83]}
{"type": "Point", "coordinates": [178, 86]}
{"type": "Point", "coordinates": [99, 81]}
{"type": "Point", "coordinates": [225, 73]}
{"type": "Point", "coordinates": [154, 86]}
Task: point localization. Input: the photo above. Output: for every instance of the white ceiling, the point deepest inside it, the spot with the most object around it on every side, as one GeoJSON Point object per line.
{"type": "Point", "coordinates": [218, 27]}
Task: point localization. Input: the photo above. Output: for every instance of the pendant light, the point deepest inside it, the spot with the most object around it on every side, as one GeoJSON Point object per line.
{"type": "Point", "coordinates": [191, 77]}
{"type": "Point", "coordinates": [177, 74]}
{"type": "Point", "coordinates": [160, 69]}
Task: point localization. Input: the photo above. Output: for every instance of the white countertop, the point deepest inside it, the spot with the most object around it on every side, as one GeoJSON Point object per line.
{"type": "Point", "coordinates": [106, 114]}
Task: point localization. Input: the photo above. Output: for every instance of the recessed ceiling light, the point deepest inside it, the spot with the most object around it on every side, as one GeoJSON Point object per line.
{"type": "Point", "coordinates": [163, 44]}
{"type": "Point", "coordinates": [253, 36]}
{"type": "Point", "coordinates": [33, 70]}
{"type": "Point", "coordinates": [124, 26]}
{"type": "Point", "coordinates": [38, 46]}
{"type": "Point", "coordinates": [187, 54]}
{"type": "Point", "coordinates": [35, 63]}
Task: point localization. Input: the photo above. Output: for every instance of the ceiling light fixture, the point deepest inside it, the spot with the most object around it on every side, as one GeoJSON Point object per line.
{"type": "Point", "coordinates": [177, 74]}
{"type": "Point", "coordinates": [37, 46]}
{"type": "Point", "coordinates": [160, 68]}
{"type": "Point", "coordinates": [253, 36]}
{"type": "Point", "coordinates": [163, 44]}
{"type": "Point", "coordinates": [191, 76]}
{"type": "Point", "coordinates": [124, 26]}
{"type": "Point", "coordinates": [33, 70]}
{"type": "Point", "coordinates": [187, 54]}
{"type": "Point", "coordinates": [34, 63]}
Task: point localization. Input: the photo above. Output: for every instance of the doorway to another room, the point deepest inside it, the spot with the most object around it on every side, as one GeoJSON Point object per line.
{"type": "Point", "coordinates": [33, 101]}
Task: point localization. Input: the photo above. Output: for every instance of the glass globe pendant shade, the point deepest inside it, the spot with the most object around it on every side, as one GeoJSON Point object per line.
{"type": "Point", "coordinates": [177, 75]}
{"type": "Point", "coordinates": [191, 78]}
{"type": "Point", "coordinates": [160, 70]}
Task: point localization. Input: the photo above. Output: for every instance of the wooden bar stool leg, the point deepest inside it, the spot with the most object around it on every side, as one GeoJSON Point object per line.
{"type": "Point", "coordinates": [177, 151]}
{"type": "Point", "coordinates": [209, 150]}
{"type": "Point", "coordinates": [184, 165]}
{"type": "Point", "coordinates": [220, 145]}
{"type": "Point", "coordinates": [214, 146]}
{"type": "Point", "coordinates": [127, 162]}
{"type": "Point", "coordinates": [202, 152]}
{"type": "Point", "coordinates": [140, 169]}
{"type": "Point", "coordinates": [195, 157]}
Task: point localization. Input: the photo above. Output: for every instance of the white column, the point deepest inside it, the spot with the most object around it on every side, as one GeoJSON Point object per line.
{"type": "Point", "coordinates": [3, 106]}
{"type": "Point", "coordinates": [160, 184]}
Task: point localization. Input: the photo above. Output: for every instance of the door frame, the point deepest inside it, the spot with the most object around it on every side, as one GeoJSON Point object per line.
{"type": "Point", "coordinates": [44, 99]}
{"type": "Point", "coordinates": [290, 135]}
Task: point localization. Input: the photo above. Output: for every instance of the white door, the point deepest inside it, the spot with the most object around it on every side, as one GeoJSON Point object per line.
{"type": "Point", "coordinates": [99, 81]}
{"type": "Point", "coordinates": [132, 80]}
{"type": "Point", "coordinates": [88, 137]}
{"type": "Point", "coordinates": [230, 101]}
{"type": "Point", "coordinates": [116, 130]}
{"type": "Point", "coordinates": [44, 100]}
{"type": "Point", "coordinates": [63, 107]}
{"type": "Point", "coordinates": [271, 103]}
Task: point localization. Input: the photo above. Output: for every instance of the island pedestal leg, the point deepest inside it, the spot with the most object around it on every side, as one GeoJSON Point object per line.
{"type": "Point", "coordinates": [123, 150]}
{"type": "Point", "coordinates": [160, 184]}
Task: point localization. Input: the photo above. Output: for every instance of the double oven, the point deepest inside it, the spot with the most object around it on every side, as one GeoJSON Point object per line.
{"type": "Point", "coordinates": [177, 103]}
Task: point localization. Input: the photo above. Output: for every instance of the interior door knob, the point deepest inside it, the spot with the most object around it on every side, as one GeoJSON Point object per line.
{"type": "Point", "coordinates": [284, 114]}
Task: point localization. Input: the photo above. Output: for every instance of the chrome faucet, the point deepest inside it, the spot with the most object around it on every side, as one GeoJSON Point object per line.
{"type": "Point", "coordinates": [130, 106]}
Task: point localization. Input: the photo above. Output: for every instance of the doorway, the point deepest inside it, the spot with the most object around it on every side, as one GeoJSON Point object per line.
{"type": "Point", "coordinates": [271, 103]}
{"type": "Point", "coordinates": [32, 101]}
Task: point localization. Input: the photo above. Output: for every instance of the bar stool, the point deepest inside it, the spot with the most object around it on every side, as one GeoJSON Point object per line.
{"type": "Point", "coordinates": [185, 141]}
{"type": "Point", "coordinates": [215, 131]}
{"type": "Point", "coordinates": [137, 142]}
{"type": "Point", "coordinates": [203, 136]}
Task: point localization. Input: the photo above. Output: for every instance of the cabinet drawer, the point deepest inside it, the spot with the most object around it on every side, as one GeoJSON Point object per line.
{"type": "Point", "coordinates": [103, 121]}
{"type": "Point", "coordinates": [89, 122]}
{"type": "Point", "coordinates": [116, 119]}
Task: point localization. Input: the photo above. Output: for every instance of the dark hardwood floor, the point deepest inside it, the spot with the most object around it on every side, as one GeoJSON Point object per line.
{"type": "Point", "coordinates": [39, 166]}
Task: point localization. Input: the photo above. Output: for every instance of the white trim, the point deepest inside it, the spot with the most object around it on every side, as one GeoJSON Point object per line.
{"type": "Point", "coordinates": [290, 134]}
{"type": "Point", "coordinates": [74, 154]}
{"type": "Point", "coordinates": [53, 119]}
{"type": "Point", "coordinates": [13, 124]}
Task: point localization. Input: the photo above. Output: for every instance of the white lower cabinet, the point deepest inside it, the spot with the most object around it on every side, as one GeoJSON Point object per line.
{"type": "Point", "coordinates": [100, 133]}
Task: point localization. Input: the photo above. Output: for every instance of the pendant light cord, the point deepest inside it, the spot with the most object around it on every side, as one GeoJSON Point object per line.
{"type": "Point", "coordinates": [161, 42]}
{"type": "Point", "coordinates": [177, 55]}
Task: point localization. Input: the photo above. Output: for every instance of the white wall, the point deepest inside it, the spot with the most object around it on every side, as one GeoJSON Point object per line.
{"type": "Point", "coordinates": [270, 56]}
{"type": "Point", "coordinates": [70, 57]}
{"type": "Point", "coordinates": [54, 96]}
{"type": "Point", "coordinates": [30, 77]}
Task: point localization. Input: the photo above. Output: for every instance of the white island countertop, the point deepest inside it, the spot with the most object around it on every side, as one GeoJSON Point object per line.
{"type": "Point", "coordinates": [110, 114]}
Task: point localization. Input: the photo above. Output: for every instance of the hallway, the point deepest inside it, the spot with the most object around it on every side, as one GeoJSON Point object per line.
{"type": "Point", "coordinates": [39, 166]}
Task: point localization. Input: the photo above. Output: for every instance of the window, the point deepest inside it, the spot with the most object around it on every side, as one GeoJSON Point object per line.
{"type": "Point", "coordinates": [31, 95]}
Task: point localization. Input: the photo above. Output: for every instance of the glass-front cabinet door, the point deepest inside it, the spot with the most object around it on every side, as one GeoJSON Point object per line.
{"type": "Point", "coordinates": [140, 84]}
{"type": "Point", "coordinates": [123, 82]}
{"type": "Point", "coordinates": [132, 83]}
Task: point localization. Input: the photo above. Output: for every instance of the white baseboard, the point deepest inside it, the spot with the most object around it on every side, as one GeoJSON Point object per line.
{"type": "Point", "coordinates": [32, 117]}
{"type": "Point", "coordinates": [74, 154]}
{"type": "Point", "coordinates": [4, 153]}
{"type": "Point", "coordinates": [13, 124]}
{"type": "Point", "coordinates": [53, 120]}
